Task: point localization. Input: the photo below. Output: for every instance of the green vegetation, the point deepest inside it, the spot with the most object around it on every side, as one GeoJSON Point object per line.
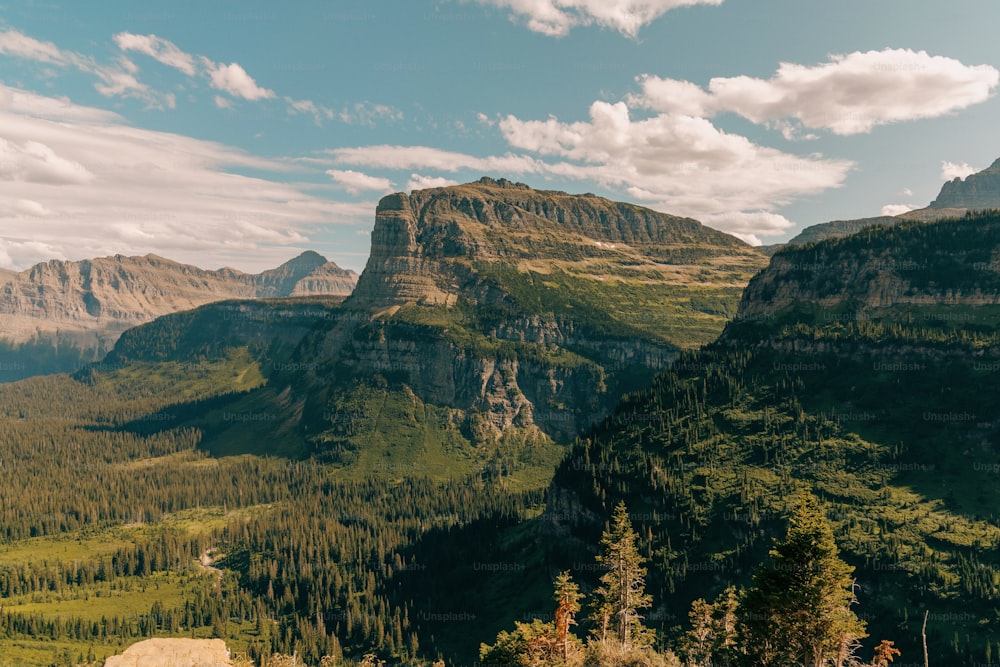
{"type": "Point", "coordinates": [797, 612]}
{"type": "Point", "coordinates": [646, 307]}
{"type": "Point", "coordinates": [619, 637]}
{"type": "Point", "coordinates": [889, 422]}
{"type": "Point", "coordinates": [799, 608]}
{"type": "Point", "coordinates": [351, 515]}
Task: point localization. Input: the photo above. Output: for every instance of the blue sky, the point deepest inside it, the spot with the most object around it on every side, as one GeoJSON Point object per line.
{"type": "Point", "coordinates": [240, 133]}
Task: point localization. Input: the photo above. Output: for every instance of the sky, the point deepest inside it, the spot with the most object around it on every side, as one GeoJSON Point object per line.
{"type": "Point", "coordinates": [240, 132]}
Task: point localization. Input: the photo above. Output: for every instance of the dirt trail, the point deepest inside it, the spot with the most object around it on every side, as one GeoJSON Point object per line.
{"type": "Point", "coordinates": [205, 563]}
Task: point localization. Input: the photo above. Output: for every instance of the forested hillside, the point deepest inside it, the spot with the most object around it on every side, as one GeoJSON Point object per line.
{"type": "Point", "coordinates": [862, 369]}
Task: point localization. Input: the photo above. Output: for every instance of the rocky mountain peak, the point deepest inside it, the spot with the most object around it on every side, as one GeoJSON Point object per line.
{"type": "Point", "coordinates": [977, 191]}
{"type": "Point", "coordinates": [502, 183]}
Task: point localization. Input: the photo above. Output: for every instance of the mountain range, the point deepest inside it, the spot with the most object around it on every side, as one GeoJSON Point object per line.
{"type": "Point", "coordinates": [58, 314]}
{"type": "Point", "coordinates": [405, 470]}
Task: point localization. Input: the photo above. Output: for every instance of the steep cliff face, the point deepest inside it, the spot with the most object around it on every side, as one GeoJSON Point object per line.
{"type": "Point", "coordinates": [977, 191]}
{"type": "Point", "coordinates": [426, 245]}
{"type": "Point", "coordinates": [950, 262]}
{"type": "Point", "coordinates": [86, 305]}
{"type": "Point", "coordinates": [490, 298]}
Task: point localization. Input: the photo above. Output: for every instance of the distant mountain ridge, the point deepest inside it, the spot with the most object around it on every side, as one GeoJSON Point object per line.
{"type": "Point", "coordinates": [78, 309]}
{"type": "Point", "coordinates": [977, 192]}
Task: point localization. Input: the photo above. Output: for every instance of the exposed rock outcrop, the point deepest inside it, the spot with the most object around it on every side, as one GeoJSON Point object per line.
{"type": "Point", "coordinates": [491, 309]}
{"type": "Point", "coordinates": [977, 191]}
{"type": "Point", "coordinates": [173, 653]}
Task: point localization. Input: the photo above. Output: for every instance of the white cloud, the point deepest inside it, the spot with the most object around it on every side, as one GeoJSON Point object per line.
{"type": "Point", "coordinates": [26, 103]}
{"type": "Point", "coordinates": [90, 185]}
{"type": "Point", "coordinates": [418, 182]}
{"type": "Point", "coordinates": [122, 83]}
{"type": "Point", "coordinates": [30, 207]}
{"type": "Point", "coordinates": [749, 226]}
{"type": "Point", "coordinates": [413, 157]}
{"type": "Point", "coordinates": [14, 43]}
{"type": "Point", "coordinates": [223, 102]}
{"type": "Point", "coordinates": [114, 80]}
{"type": "Point", "coordinates": [162, 50]}
{"type": "Point", "coordinates": [233, 79]}
{"type": "Point", "coordinates": [850, 94]}
{"type": "Point", "coordinates": [896, 209]}
{"type": "Point", "coordinates": [683, 164]}
{"type": "Point", "coordinates": [35, 162]}
{"type": "Point", "coordinates": [557, 17]}
{"type": "Point", "coordinates": [951, 170]}
{"type": "Point", "coordinates": [356, 182]}
{"type": "Point", "coordinates": [677, 164]}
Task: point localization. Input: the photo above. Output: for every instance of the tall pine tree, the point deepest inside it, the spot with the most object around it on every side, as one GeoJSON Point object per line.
{"type": "Point", "coordinates": [799, 609]}
{"type": "Point", "coordinates": [622, 592]}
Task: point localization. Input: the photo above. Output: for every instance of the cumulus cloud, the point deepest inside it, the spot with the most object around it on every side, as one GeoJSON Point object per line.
{"type": "Point", "coordinates": [849, 94]}
{"type": "Point", "coordinates": [233, 79]}
{"type": "Point", "coordinates": [162, 50]}
{"type": "Point", "coordinates": [90, 185]}
{"type": "Point", "coordinates": [950, 170]}
{"type": "Point", "coordinates": [557, 17]}
{"type": "Point", "coordinates": [356, 182]}
{"type": "Point", "coordinates": [749, 226]}
{"type": "Point", "coordinates": [418, 182]}
{"type": "Point", "coordinates": [679, 164]}
{"type": "Point", "coordinates": [896, 209]}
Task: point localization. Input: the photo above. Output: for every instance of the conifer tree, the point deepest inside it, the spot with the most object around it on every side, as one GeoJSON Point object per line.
{"type": "Point", "coordinates": [712, 640]}
{"type": "Point", "coordinates": [623, 587]}
{"type": "Point", "coordinates": [567, 596]}
{"type": "Point", "coordinates": [799, 609]}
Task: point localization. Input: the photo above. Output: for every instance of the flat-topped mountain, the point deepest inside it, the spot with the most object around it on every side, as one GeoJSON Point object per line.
{"type": "Point", "coordinates": [489, 313]}
{"type": "Point", "coordinates": [77, 310]}
{"type": "Point", "coordinates": [427, 243]}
